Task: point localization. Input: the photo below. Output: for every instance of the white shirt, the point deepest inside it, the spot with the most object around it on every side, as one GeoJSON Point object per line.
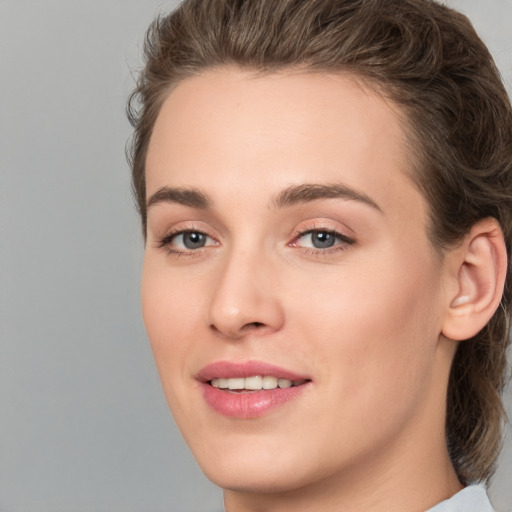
{"type": "Point", "coordinates": [471, 499]}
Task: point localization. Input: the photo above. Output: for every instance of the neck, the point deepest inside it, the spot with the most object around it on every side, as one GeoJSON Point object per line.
{"type": "Point", "coordinates": [420, 485]}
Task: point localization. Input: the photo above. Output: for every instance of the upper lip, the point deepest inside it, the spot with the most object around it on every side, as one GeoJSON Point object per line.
{"type": "Point", "coordinates": [229, 369]}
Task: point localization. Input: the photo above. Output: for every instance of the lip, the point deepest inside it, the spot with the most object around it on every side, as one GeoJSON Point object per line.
{"type": "Point", "coordinates": [250, 404]}
{"type": "Point", "coordinates": [227, 369]}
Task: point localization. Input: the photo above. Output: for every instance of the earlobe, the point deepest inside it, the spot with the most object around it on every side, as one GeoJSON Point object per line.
{"type": "Point", "coordinates": [480, 264]}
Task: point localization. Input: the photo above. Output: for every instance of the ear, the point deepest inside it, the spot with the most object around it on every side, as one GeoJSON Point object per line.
{"type": "Point", "coordinates": [477, 271]}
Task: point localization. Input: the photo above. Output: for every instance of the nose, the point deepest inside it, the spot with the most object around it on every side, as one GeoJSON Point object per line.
{"type": "Point", "coordinates": [246, 297]}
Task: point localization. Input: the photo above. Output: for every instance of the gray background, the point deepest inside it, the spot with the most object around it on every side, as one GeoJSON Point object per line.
{"type": "Point", "coordinates": [83, 423]}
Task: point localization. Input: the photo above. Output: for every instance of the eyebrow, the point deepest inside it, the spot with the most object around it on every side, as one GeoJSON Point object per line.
{"type": "Point", "coordinates": [311, 192]}
{"type": "Point", "coordinates": [185, 196]}
{"type": "Point", "coordinates": [290, 196]}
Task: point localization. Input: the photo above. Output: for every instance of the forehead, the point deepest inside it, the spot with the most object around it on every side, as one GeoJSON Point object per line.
{"type": "Point", "coordinates": [262, 132]}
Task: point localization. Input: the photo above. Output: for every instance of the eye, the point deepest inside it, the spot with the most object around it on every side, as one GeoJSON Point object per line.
{"type": "Point", "coordinates": [321, 239]}
{"type": "Point", "coordinates": [186, 241]}
{"type": "Point", "coordinates": [190, 239]}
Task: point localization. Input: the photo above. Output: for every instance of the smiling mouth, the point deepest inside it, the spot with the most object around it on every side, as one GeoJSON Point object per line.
{"type": "Point", "coordinates": [250, 389]}
{"type": "Point", "coordinates": [254, 383]}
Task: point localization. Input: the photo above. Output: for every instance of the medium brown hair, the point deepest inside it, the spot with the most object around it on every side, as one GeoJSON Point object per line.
{"type": "Point", "coordinates": [428, 59]}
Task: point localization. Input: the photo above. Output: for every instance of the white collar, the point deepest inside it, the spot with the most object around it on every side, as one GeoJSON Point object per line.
{"type": "Point", "coordinates": [473, 498]}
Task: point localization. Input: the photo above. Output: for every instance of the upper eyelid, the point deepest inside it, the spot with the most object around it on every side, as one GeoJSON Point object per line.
{"type": "Point", "coordinates": [185, 226]}
{"type": "Point", "coordinates": [167, 238]}
{"type": "Point", "coordinates": [320, 230]}
{"type": "Point", "coordinates": [324, 225]}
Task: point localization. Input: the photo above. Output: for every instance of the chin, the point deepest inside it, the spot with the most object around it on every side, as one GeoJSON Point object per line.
{"type": "Point", "coordinates": [255, 480]}
{"type": "Point", "coordinates": [245, 462]}
{"type": "Point", "coordinates": [254, 468]}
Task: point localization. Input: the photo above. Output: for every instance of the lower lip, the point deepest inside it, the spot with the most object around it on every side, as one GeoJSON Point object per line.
{"type": "Point", "coordinates": [251, 404]}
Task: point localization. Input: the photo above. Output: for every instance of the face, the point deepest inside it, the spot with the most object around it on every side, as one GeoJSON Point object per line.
{"type": "Point", "coordinates": [291, 296]}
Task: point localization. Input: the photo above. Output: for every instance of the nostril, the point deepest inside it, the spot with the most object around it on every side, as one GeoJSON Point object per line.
{"type": "Point", "coordinates": [253, 325]}
{"type": "Point", "coordinates": [246, 328]}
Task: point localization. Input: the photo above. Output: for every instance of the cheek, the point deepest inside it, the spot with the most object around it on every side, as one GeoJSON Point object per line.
{"type": "Point", "coordinates": [375, 329]}
{"type": "Point", "coordinates": [169, 314]}
{"type": "Point", "coordinates": [170, 302]}
{"type": "Point", "coordinates": [372, 340]}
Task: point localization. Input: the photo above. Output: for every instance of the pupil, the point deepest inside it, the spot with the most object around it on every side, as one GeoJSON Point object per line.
{"type": "Point", "coordinates": [193, 240]}
{"type": "Point", "coordinates": [323, 240]}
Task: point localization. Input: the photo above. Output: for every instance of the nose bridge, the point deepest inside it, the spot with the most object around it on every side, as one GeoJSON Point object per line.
{"type": "Point", "coordinates": [244, 299]}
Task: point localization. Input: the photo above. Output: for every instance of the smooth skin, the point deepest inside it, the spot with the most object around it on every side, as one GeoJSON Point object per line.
{"type": "Point", "coordinates": [347, 290]}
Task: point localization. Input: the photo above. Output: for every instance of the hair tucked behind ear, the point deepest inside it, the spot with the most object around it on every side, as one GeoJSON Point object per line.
{"type": "Point", "coordinates": [429, 60]}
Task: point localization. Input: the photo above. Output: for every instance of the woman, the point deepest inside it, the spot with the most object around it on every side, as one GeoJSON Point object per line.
{"type": "Point", "coordinates": [326, 193]}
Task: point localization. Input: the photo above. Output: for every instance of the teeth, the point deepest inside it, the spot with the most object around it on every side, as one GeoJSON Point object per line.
{"type": "Point", "coordinates": [284, 383]}
{"type": "Point", "coordinates": [254, 383]}
{"type": "Point", "coordinates": [236, 383]}
{"type": "Point", "coordinates": [269, 382]}
{"type": "Point", "coordinates": [220, 383]}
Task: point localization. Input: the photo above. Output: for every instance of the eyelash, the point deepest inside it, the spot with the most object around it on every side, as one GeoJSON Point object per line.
{"type": "Point", "coordinates": [343, 242]}
{"type": "Point", "coordinates": [166, 241]}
